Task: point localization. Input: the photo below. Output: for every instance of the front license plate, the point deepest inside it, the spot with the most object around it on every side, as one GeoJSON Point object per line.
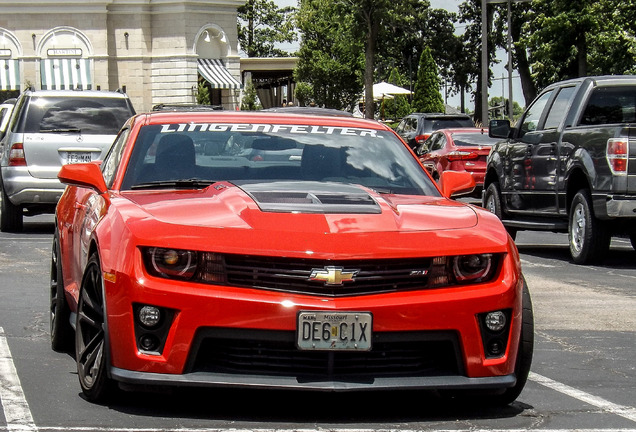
{"type": "Point", "coordinates": [76, 157]}
{"type": "Point", "coordinates": [334, 331]}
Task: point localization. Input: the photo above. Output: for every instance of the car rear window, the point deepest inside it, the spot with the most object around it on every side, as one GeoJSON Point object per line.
{"type": "Point", "coordinates": [473, 139]}
{"type": "Point", "coordinates": [376, 159]}
{"type": "Point", "coordinates": [88, 115]}
{"type": "Point", "coordinates": [437, 124]}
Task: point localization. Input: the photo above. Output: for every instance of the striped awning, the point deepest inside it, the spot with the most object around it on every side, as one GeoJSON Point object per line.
{"type": "Point", "coordinates": [217, 74]}
{"type": "Point", "coordinates": [9, 75]}
{"type": "Point", "coordinates": [66, 74]}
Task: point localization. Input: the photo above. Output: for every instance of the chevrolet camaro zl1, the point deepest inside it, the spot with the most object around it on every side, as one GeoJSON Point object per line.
{"type": "Point", "coordinates": [267, 250]}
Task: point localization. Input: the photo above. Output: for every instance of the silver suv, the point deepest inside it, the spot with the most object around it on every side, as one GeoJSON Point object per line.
{"type": "Point", "coordinates": [47, 129]}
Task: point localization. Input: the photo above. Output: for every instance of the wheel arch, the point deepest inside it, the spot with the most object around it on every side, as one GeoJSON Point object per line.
{"type": "Point", "coordinates": [577, 180]}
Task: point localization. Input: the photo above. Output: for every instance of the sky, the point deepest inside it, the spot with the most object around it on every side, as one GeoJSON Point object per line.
{"type": "Point", "coordinates": [500, 73]}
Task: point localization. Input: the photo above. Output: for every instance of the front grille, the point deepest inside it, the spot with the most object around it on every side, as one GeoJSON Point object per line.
{"type": "Point", "coordinates": [273, 353]}
{"type": "Point", "coordinates": [292, 275]}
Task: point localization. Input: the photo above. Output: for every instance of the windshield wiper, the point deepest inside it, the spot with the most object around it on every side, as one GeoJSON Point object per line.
{"type": "Point", "coordinates": [183, 183]}
{"type": "Point", "coordinates": [61, 130]}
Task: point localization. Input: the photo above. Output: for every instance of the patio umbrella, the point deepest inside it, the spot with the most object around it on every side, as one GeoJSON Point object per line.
{"type": "Point", "coordinates": [385, 89]}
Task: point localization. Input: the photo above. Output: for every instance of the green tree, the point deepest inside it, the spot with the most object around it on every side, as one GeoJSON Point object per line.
{"type": "Point", "coordinates": [261, 25]}
{"type": "Point", "coordinates": [330, 58]}
{"type": "Point", "coordinates": [250, 100]}
{"type": "Point", "coordinates": [398, 106]}
{"type": "Point", "coordinates": [203, 93]}
{"type": "Point", "coordinates": [427, 97]}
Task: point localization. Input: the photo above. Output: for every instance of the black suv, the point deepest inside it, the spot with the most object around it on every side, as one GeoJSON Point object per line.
{"type": "Point", "coordinates": [417, 127]}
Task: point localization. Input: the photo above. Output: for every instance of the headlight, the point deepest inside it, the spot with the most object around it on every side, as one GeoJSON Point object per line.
{"type": "Point", "coordinates": [473, 268]}
{"type": "Point", "coordinates": [172, 263]}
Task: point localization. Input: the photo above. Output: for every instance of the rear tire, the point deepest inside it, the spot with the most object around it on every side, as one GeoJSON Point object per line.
{"type": "Point", "coordinates": [589, 237]}
{"type": "Point", "coordinates": [492, 203]}
{"type": "Point", "coordinates": [61, 330]}
{"type": "Point", "coordinates": [10, 215]}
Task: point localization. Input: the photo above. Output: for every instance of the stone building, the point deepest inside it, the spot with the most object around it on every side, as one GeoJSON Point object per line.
{"type": "Point", "coordinates": [157, 50]}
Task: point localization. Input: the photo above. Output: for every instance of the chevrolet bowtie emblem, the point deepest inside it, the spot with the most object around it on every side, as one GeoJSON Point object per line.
{"type": "Point", "coordinates": [333, 275]}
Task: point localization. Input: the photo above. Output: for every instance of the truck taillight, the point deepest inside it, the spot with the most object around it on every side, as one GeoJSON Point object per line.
{"type": "Point", "coordinates": [16, 155]}
{"type": "Point", "coordinates": [617, 155]}
{"type": "Point", "coordinates": [421, 138]}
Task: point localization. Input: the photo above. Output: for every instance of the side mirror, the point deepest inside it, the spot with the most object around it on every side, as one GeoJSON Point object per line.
{"type": "Point", "coordinates": [83, 175]}
{"type": "Point", "coordinates": [499, 129]}
{"type": "Point", "coordinates": [456, 183]}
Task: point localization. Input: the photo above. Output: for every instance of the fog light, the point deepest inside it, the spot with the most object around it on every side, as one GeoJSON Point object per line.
{"type": "Point", "coordinates": [495, 321]}
{"type": "Point", "coordinates": [495, 348]}
{"type": "Point", "coordinates": [149, 316]}
{"type": "Point", "coordinates": [148, 342]}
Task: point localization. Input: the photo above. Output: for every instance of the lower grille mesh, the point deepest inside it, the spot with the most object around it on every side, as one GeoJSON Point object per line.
{"type": "Point", "coordinates": [413, 354]}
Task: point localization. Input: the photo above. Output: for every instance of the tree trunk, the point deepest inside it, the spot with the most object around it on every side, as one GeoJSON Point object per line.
{"type": "Point", "coordinates": [369, 64]}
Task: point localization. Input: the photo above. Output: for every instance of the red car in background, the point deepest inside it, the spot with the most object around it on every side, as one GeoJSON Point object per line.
{"type": "Point", "coordinates": [458, 150]}
{"type": "Point", "coordinates": [341, 266]}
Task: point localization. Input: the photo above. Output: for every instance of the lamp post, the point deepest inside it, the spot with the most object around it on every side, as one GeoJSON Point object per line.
{"type": "Point", "coordinates": [484, 57]}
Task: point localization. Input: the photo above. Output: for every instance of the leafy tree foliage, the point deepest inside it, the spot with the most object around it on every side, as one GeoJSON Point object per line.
{"type": "Point", "coordinates": [427, 97]}
{"type": "Point", "coordinates": [331, 58]}
{"type": "Point", "coordinates": [250, 99]}
{"type": "Point", "coordinates": [261, 25]}
{"type": "Point", "coordinates": [398, 106]}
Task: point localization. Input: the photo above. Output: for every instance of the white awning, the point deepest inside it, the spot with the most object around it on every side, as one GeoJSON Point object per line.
{"type": "Point", "coordinates": [9, 75]}
{"type": "Point", "coordinates": [217, 74]}
{"type": "Point", "coordinates": [66, 74]}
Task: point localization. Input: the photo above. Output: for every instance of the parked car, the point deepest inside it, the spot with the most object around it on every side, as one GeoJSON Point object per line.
{"type": "Point", "coordinates": [327, 272]}
{"type": "Point", "coordinates": [416, 128]}
{"type": "Point", "coordinates": [48, 129]}
{"type": "Point", "coordinates": [457, 150]}
{"type": "Point", "coordinates": [569, 165]}
{"type": "Point", "coordinates": [6, 108]}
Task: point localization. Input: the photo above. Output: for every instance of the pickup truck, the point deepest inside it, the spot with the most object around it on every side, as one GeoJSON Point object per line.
{"type": "Point", "coordinates": [569, 165]}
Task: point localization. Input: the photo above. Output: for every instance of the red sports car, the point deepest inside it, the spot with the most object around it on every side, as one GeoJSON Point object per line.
{"type": "Point", "coordinates": [458, 150]}
{"type": "Point", "coordinates": [331, 262]}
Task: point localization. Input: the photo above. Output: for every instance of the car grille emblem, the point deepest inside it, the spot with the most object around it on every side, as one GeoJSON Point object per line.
{"type": "Point", "coordinates": [333, 275]}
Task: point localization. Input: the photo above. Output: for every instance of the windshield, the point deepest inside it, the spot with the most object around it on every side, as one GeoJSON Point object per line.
{"type": "Point", "coordinates": [173, 155]}
{"type": "Point", "coordinates": [86, 115]}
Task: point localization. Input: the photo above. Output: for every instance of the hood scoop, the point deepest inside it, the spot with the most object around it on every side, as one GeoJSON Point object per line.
{"type": "Point", "coordinates": [311, 197]}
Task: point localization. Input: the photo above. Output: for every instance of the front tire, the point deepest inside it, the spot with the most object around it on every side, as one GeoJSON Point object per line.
{"type": "Point", "coordinates": [524, 354]}
{"type": "Point", "coordinates": [61, 330]}
{"type": "Point", "coordinates": [492, 203]}
{"type": "Point", "coordinates": [589, 237]}
{"type": "Point", "coordinates": [10, 215]}
{"type": "Point", "coordinates": [90, 335]}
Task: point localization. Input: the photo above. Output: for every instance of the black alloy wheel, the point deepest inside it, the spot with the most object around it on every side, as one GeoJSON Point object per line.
{"type": "Point", "coordinates": [60, 326]}
{"type": "Point", "coordinates": [90, 335]}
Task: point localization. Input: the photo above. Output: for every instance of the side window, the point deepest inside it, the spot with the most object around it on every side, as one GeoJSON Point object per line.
{"type": "Point", "coordinates": [530, 121]}
{"type": "Point", "coordinates": [400, 128]}
{"type": "Point", "coordinates": [558, 109]}
{"type": "Point", "coordinates": [610, 105]}
{"type": "Point", "coordinates": [112, 159]}
{"type": "Point", "coordinates": [438, 142]}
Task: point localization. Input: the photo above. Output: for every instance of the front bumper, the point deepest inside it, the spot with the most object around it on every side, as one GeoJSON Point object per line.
{"type": "Point", "coordinates": [441, 325]}
{"type": "Point", "coordinates": [208, 379]}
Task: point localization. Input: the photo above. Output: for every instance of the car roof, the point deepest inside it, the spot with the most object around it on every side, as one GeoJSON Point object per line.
{"type": "Point", "coordinates": [159, 117]}
{"type": "Point", "coordinates": [78, 93]}
{"type": "Point", "coordinates": [439, 115]}
{"type": "Point", "coordinates": [309, 110]}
